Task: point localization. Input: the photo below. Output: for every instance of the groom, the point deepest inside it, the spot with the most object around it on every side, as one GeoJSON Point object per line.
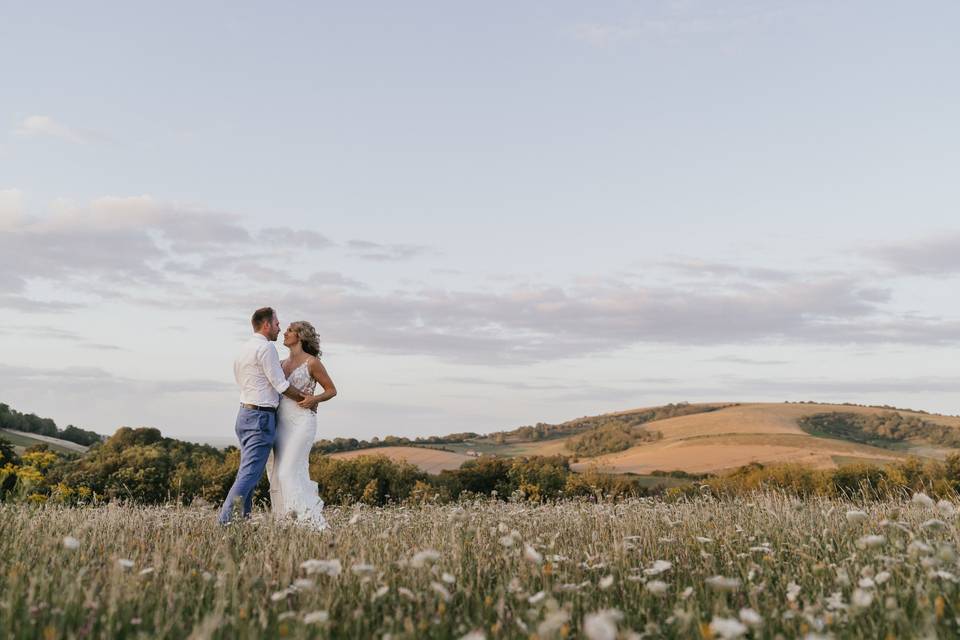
{"type": "Point", "coordinates": [261, 379]}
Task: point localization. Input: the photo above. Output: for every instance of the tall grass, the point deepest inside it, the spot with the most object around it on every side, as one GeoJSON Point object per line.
{"type": "Point", "coordinates": [760, 567]}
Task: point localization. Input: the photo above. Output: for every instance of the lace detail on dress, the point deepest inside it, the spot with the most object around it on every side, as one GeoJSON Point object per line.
{"type": "Point", "coordinates": [302, 380]}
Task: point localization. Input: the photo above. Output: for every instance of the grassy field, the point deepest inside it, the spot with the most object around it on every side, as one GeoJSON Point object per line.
{"type": "Point", "coordinates": [754, 568]}
{"type": "Point", "coordinates": [21, 441]}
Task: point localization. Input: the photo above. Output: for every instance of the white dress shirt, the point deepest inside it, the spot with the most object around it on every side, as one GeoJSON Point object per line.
{"type": "Point", "coordinates": [257, 370]}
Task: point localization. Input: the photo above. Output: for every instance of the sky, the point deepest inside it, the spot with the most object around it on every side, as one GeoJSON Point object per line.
{"type": "Point", "coordinates": [495, 214]}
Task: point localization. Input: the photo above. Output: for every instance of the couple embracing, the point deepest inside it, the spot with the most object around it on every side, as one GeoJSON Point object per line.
{"type": "Point", "coordinates": [277, 422]}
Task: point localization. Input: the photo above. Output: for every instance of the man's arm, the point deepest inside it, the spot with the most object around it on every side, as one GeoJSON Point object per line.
{"type": "Point", "coordinates": [270, 362]}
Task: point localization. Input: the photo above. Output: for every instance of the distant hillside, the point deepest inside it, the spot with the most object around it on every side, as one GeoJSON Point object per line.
{"type": "Point", "coordinates": [21, 441]}
{"type": "Point", "coordinates": [33, 424]}
{"type": "Point", "coordinates": [713, 438]}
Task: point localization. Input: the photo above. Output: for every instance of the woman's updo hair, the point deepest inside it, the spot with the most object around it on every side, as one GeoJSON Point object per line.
{"type": "Point", "coordinates": [308, 337]}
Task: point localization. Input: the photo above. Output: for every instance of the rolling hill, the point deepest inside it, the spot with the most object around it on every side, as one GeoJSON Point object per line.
{"type": "Point", "coordinates": [713, 438]}
{"type": "Point", "coordinates": [21, 440]}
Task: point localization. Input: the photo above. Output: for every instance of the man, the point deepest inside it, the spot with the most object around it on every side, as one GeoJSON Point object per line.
{"type": "Point", "coordinates": [261, 379]}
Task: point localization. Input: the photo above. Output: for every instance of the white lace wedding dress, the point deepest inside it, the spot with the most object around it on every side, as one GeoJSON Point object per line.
{"type": "Point", "coordinates": [293, 494]}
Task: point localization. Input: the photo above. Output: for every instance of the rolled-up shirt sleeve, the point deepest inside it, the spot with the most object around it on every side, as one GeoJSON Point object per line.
{"type": "Point", "coordinates": [270, 362]}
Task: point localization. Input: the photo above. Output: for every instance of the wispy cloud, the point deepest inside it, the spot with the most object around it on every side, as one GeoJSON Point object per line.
{"type": "Point", "coordinates": [378, 252]}
{"type": "Point", "coordinates": [45, 126]}
{"type": "Point", "coordinates": [939, 255]}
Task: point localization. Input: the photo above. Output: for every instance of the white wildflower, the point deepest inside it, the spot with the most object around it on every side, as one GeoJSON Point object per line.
{"type": "Point", "coordinates": [722, 583]}
{"type": "Point", "coordinates": [303, 584]}
{"type": "Point", "coordinates": [750, 617]}
{"type": "Point", "coordinates": [793, 590]}
{"type": "Point", "coordinates": [532, 555]}
{"type": "Point", "coordinates": [382, 591]}
{"type": "Point", "coordinates": [277, 596]}
{"type": "Point", "coordinates": [602, 625]}
{"type": "Point", "coordinates": [147, 571]}
{"type": "Point", "coordinates": [69, 542]}
{"type": "Point", "coordinates": [882, 577]}
{"type": "Point", "coordinates": [406, 593]}
{"type": "Point", "coordinates": [606, 582]}
{"type": "Point", "coordinates": [866, 583]}
{"type": "Point", "coordinates": [657, 587]}
{"type": "Point", "coordinates": [507, 541]}
{"type": "Point", "coordinates": [854, 516]}
{"type": "Point", "coordinates": [918, 546]}
{"type": "Point", "coordinates": [946, 508]}
{"type": "Point", "coordinates": [658, 567]}
{"type": "Point", "coordinates": [934, 524]}
{"type": "Point", "coordinates": [316, 616]}
{"type": "Point", "coordinates": [538, 597]}
{"type": "Point", "coordinates": [326, 567]}
{"type": "Point", "coordinates": [687, 593]}
{"type": "Point", "coordinates": [441, 590]}
{"type": "Point", "coordinates": [835, 601]}
{"type": "Point", "coordinates": [422, 558]}
{"type": "Point", "coordinates": [870, 541]}
{"type": "Point", "coordinates": [922, 499]}
{"type": "Point", "coordinates": [355, 519]}
{"type": "Point", "coordinates": [703, 540]}
{"type": "Point", "coordinates": [727, 627]}
{"type": "Point", "coordinates": [474, 635]}
{"type": "Point", "coordinates": [125, 563]}
{"type": "Point", "coordinates": [552, 623]}
{"type": "Point", "coordinates": [361, 568]}
{"type": "Point", "coordinates": [861, 598]}
{"type": "Point", "coordinates": [448, 578]}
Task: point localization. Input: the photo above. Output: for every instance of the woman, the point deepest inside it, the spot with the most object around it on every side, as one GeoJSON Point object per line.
{"type": "Point", "coordinates": [292, 492]}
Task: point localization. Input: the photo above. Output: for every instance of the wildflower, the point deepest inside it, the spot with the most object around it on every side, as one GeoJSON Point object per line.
{"type": "Point", "coordinates": [868, 542]}
{"type": "Point", "coordinates": [147, 571]}
{"type": "Point", "coordinates": [793, 590]}
{"type": "Point", "coordinates": [602, 625]}
{"type": "Point", "coordinates": [125, 563]}
{"type": "Point", "coordinates": [303, 584]}
{"type": "Point", "coordinates": [552, 623]}
{"type": "Point", "coordinates": [355, 519]}
{"type": "Point", "coordinates": [406, 593]}
{"type": "Point", "coordinates": [507, 540]}
{"type": "Point", "coordinates": [721, 583]}
{"type": "Point", "coordinates": [703, 540]}
{"type": "Point", "coordinates": [657, 587]}
{"type": "Point", "coordinates": [866, 583]}
{"type": "Point", "coordinates": [69, 542]}
{"type": "Point", "coordinates": [382, 591]}
{"type": "Point", "coordinates": [750, 617]}
{"type": "Point", "coordinates": [727, 627]}
{"type": "Point", "coordinates": [538, 597]}
{"type": "Point", "coordinates": [861, 599]}
{"type": "Point", "coordinates": [532, 555]}
{"type": "Point", "coordinates": [835, 601]}
{"type": "Point", "coordinates": [316, 616]}
{"type": "Point", "coordinates": [326, 567]}
{"type": "Point", "coordinates": [279, 595]}
{"type": "Point", "coordinates": [934, 524]}
{"type": "Point", "coordinates": [441, 590]}
{"type": "Point", "coordinates": [946, 508]}
{"type": "Point", "coordinates": [360, 568]}
{"type": "Point", "coordinates": [882, 577]}
{"type": "Point", "coordinates": [687, 593]}
{"type": "Point", "coordinates": [606, 582]}
{"type": "Point", "coordinates": [448, 578]}
{"type": "Point", "coordinates": [658, 567]}
{"type": "Point", "coordinates": [922, 499]}
{"type": "Point", "coordinates": [918, 546]}
{"type": "Point", "coordinates": [423, 557]}
{"type": "Point", "coordinates": [474, 635]}
{"type": "Point", "coordinates": [855, 516]}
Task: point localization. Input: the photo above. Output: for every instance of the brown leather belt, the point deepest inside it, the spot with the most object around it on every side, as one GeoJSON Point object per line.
{"type": "Point", "coordinates": [258, 407]}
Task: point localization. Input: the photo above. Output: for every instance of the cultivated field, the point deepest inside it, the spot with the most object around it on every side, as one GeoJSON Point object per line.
{"type": "Point", "coordinates": [765, 567]}
{"type": "Point", "coordinates": [712, 442]}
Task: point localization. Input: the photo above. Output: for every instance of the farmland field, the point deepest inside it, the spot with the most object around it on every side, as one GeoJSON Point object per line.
{"type": "Point", "coordinates": [755, 567]}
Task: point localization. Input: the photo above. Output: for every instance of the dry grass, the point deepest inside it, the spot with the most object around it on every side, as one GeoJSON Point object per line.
{"type": "Point", "coordinates": [752, 568]}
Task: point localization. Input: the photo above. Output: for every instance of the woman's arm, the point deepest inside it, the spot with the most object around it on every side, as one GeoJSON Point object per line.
{"type": "Point", "coordinates": [319, 373]}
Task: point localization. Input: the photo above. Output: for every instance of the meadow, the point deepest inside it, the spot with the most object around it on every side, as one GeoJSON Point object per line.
{"type": "Point", "coordinates": [762, 566]}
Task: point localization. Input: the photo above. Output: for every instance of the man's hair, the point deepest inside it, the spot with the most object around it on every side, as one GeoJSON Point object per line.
{"type": "Point", "coordinates": [261, 315]}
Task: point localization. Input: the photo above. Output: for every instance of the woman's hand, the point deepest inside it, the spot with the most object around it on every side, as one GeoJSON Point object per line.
{"type": "Point", "coordinates": [310, 402]}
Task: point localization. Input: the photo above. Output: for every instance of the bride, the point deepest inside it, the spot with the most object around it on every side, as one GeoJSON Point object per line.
{"type": "Point", "coordinates": [292, 492]}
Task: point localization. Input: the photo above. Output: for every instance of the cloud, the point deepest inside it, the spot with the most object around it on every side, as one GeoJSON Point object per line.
{"type": "Point", "coordinates": [11, 208]}
{"type": "Point", "coordinates": [99, 383]}
{"type": "Point", "coordinates": [386, 252]}
{"type": "Point", "coordinates": [679, 21]}
{"type": "Point", "coordinates": [938, 255]}
{"type": "Point", "coordinates": [39, 126]}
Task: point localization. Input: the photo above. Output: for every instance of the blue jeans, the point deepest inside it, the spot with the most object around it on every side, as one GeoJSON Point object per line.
{"type": "Point", "coordinates": [256, 430]}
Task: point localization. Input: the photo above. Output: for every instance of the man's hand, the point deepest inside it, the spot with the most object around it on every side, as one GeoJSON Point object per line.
{"type": "Point", "coordinates": [293, 394]}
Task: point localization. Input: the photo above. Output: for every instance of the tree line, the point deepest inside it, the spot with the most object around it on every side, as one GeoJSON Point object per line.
{"type": "Point", "coordinates": [31, 423]}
